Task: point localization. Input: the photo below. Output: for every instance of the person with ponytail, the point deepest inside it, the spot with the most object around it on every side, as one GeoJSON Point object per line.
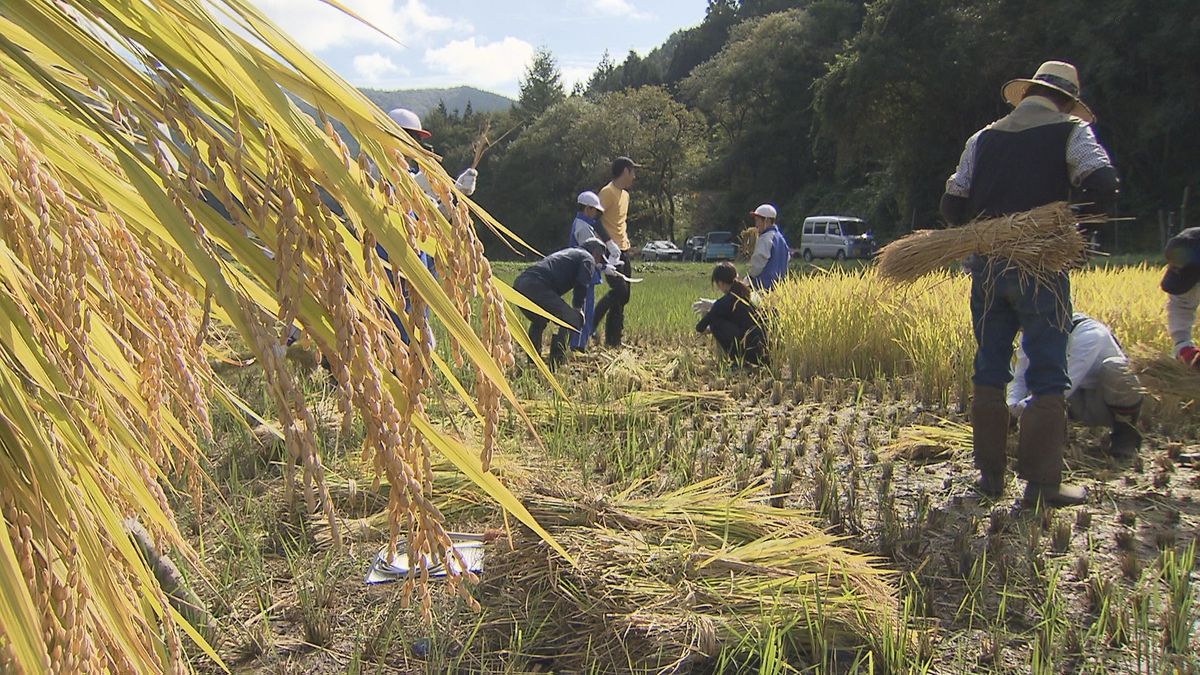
{"type": "Point", "coordinates": [733, 319]}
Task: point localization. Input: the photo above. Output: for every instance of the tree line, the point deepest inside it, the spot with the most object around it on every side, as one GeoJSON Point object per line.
{"type": "Point", "coordinates": [845, 106]}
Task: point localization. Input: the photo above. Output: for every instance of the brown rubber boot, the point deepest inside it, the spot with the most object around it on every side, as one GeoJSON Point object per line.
{"type": "Point", "coordinates": [1040, 453]}
{"type": "Point", "coordinates": [989, 434]}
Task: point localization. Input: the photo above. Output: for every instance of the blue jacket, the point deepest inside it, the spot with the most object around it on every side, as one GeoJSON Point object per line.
{"type": "Point", "coordinates": [769, 262]}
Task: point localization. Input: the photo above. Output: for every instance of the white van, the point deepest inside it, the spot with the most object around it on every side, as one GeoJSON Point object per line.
{"type": "Point", "coordinates": [837, 237]}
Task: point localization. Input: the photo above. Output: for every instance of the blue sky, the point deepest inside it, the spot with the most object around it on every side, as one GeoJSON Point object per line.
{"type": "Point", "coordinates": [484, 44]}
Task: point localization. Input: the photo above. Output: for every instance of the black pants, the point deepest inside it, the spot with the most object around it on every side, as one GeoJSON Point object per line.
{"type": "Point", "coordinates": [740, 345]}
{"type": "Point", "coordinates": [545, 297]}
{"type": "Point", "coordinates": [611, 307]}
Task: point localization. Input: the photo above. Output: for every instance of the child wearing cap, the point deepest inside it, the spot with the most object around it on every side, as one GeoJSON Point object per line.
{"type": "Point", "coordinates": [583, 228]}
{"type": "Point", "coordinates": [733, 319]}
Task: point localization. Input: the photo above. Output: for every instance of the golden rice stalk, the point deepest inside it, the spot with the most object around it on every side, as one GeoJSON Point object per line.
{"type": "Point", "coordinates": [1172, 387]}
{"type": "Point", "coordinates": [1041, 242]}
{"type": "Point", "coordinates": [921, 442]}
{"type": "Point", "coordinates": [151, 154]}
{"type": "Point", "coordinates": [670, 583]}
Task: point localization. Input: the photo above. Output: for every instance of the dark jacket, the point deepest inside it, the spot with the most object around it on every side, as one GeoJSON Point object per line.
{"type": "Point", "coordinates": [562, 271]}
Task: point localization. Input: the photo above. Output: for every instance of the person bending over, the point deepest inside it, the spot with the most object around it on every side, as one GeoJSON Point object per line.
{"type": "Point", "coordinates": [545, 282]}
{"type": "Point", "coordinates": [1103, 391]}
{"type": "Point", "coordinates": [1181, 283]}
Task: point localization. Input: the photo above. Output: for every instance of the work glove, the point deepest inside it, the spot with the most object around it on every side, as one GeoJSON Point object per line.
{"type": "Point", "coordinates": [1189, 356]}
{"type": "Point", "coordinates": [466, 182]}
{"type": "Point", "coordinates": [1017, 408]}
{"type": "Point", "coordinates": [702, 306]}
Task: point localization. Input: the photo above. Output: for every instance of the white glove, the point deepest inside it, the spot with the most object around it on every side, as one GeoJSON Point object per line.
{"type": "Point", "coordinates": [1017, 408]}
{"type": "Point", "coordinates": [614, 252]}
{"type": "Point", "coordinates": [466, 182]}
{"type": "Point", "coordinates": [702, 306]}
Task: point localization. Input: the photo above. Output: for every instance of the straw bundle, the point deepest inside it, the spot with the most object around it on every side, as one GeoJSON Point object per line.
{"type": "Point", "coordinates": [690, 579]}
{"type": "Point", "coordinates": [1173, 388]}
{"type": "Point", "coordinates": [928, 443]}
{"type": "Point", "coordinates": [1041, 243]}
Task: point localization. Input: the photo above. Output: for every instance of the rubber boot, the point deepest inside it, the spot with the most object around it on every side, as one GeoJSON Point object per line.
{"type": "Point", "coordinates": [1125, 440]}
{"type": "Point", "coordinates": [989, 435]}
{"type": "Point", "coordinates": [1040, 453]}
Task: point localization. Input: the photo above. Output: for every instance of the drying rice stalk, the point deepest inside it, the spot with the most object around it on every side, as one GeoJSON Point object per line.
{"type": "Point", "coordinates": [634, 403]}
{"type": "Point", "coordinates": [1041, 243]}
{"type": "Point", "coordinates": [928, 443]}
{"type": "Point", "coordinates": [1172, 387]}
{"type": "Point", "coordinates": [678, 581]}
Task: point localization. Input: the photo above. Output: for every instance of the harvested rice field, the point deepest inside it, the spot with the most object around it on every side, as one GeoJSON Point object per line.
{"type": "Point", "coordinates": [813, 516]}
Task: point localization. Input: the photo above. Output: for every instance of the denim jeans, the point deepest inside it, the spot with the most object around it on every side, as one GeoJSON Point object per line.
{"type": "Point", "coordinates": [1003, 302]}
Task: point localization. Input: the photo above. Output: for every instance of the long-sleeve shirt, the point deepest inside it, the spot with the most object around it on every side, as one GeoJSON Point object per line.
{"type": "Point", "coordinates": [616, 212]}
{"type": "Point", "coordinates": [565, 270]}
{"type": "Point", "coordinates": [769, 261]}
{"type": "Point", "coordinates": [582, 229]}
{"type": "Point", "coordinates": [1181, 316]}
{"type": "Point", "coordinates": [1089, 343]}
{"type": "Point", "coordinates": [1084, 153]}
{"type": "Point", "coordinates": [729, 307]}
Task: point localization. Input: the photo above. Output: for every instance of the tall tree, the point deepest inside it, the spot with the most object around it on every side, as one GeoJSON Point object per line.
{"type": "Point", "coordinates": [542, 85]}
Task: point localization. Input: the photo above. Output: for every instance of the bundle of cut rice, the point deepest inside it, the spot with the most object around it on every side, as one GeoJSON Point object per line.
{"type": "Point", "coordinates": [698, 579]}
{"type": "Point", "coordinates": [1040, 243]}
{"type": "Point", "coordinates": [922, 442]}
{"type": "Point", "coordinates": [1171, 387]}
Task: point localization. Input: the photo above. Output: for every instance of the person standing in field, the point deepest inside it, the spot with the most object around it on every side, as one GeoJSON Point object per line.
{"type": "Point", "coordinates": [583, 228]}
{"type": "Point", "coordinates": [544, 283]}
{"type": "Point", "coordinates": [769, 262]}
{"type": "Point", "coordinates": [1103, 393]}
{"type": "Point", "coordinates": [1034, 156]}
{"type": "Point", "coordinates": [614, 202]}
{"type": "Point", "coordinates": [1181, 283]}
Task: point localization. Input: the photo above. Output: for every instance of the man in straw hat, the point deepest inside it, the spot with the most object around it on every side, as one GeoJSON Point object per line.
{"type": "Point", "coordinates": [1036, 155]}
{"type": "Point", "coordinates": [1181, 283]}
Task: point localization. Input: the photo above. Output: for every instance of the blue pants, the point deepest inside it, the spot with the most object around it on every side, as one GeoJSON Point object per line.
{"type": "Point", "coordinates": [1004, 302]}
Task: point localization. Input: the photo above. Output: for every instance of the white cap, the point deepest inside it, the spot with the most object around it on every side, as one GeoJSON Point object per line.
{"type": "Point", "coordinates": [766, 211]}
{"type": "Point", "coordinates": [409, 121]}
{"type": "Point", "coordinates": [589, 198]}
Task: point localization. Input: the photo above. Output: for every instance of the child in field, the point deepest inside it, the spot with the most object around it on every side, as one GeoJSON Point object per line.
{"type": "Point", "coordinates": [733, 320]}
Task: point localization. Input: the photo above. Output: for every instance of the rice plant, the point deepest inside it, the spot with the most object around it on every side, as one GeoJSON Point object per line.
{"type": "Point", "coordinates": [161, 183]}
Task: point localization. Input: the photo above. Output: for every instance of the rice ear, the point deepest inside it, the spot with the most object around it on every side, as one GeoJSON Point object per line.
{"type": "Point", "coordinates": [1041, 243]}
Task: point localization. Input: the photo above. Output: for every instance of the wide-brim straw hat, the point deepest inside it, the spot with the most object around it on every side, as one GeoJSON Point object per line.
{"type": "Point", "coordinates": [1057, 75]}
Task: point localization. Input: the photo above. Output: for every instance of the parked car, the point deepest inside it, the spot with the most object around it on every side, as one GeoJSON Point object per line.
{"type": "Point", "coordinates": [838, 237]}
{"type": "Point", "coordinates": [719, 246]}
{"type": "Point", "coordinates": [693, 248]}
{"type": "Point", "coordinates": [661, 250]}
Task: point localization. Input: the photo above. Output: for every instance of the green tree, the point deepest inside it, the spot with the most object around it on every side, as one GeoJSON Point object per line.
{"type": "Point", "coordinates": [542, 85]}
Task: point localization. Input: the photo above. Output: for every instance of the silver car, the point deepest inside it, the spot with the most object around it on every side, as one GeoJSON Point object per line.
{"type": "Point", "coordinates": [661, 250]}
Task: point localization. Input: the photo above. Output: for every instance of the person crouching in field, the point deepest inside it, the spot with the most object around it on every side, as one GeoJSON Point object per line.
{"type": "Point", "coordinates": [1103, 392]}
{"type": "Point", "coordinates": [544, 282]}
{"type": "Point", "coordinates": [1181, 283]}
{"type": "Point", "coordinates": [733, 320]}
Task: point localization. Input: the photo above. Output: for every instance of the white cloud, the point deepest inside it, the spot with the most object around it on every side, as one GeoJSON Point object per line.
{"type": "Point", "coordinates": [318, 26]}
{"type": "Point", "coordinates": [572, 75]}
{"type": "Point", "coordinates": [488, 64]}
{"type": "Point", "coordinates": [620, 8]}
{"type": "Point", "coordinates": [375, 68]}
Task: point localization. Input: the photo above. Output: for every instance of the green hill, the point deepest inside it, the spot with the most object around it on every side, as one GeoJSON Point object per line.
{"type": "Point", "coordinates": [422, 101]}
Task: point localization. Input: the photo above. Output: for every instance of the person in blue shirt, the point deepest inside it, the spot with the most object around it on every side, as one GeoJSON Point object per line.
{"type": "Point", "coordinates": [583, 228]}
{"type": "Point", "coordinates": [769, 262]}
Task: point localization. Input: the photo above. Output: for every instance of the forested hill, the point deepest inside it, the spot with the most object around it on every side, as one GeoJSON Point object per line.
{"type": "Point", "coordinates": [840, 106]}
{"type": "Point", "coordinates": [421, 101]}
